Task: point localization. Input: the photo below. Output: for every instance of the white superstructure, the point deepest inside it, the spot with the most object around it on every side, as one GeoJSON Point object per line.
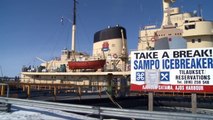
{"type": "Point", "coordinates": [197, 31]}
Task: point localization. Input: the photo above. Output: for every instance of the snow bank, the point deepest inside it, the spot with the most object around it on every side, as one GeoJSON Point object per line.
{"type": "Point", "coordinates": [33, 113]}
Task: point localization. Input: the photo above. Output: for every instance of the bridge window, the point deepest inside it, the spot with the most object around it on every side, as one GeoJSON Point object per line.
{"type": "Point", "coordinates": [37, 76]}
{"type": "Point", "coordinates": [187, 27]}
{"type": "Point", "coordinates": [193, 40]}
{"type": "Point", "coordinates": [199, 40]}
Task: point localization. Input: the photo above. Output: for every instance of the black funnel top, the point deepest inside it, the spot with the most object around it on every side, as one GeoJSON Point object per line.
{"type": "Point", "coordinates": [109, 33]}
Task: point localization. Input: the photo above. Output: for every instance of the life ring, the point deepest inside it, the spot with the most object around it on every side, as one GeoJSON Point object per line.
{"type": "Point", "coordinates": [153, 39]}
{"type": "Point", "coordinates": [115, 55]}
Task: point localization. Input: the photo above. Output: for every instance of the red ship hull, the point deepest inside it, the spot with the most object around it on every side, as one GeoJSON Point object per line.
{"type": "Point", "coordinates": [95, 64]}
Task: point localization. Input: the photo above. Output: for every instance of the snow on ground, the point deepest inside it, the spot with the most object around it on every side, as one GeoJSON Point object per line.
{"type": "Point", "coordinates": [33, 113]}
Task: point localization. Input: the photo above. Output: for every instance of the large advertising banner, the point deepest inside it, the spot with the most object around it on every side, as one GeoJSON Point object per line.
{"type": "Point", "coordinates": [177, 70]}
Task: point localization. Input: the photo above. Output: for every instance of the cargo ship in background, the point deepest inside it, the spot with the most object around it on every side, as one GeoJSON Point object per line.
{"type": "Point", "coordinates": [108, 66]}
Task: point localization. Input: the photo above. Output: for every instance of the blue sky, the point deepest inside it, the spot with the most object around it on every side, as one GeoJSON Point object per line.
{"type": "Point", "coordinates": [31, 28]}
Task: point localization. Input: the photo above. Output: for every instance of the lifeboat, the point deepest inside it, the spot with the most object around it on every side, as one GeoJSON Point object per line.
{"type": "Point", "coordinates": [93, 64]}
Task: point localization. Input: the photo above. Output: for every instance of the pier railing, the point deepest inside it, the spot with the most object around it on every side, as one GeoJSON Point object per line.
{"type": "Point", "coordinates": [104, 111]}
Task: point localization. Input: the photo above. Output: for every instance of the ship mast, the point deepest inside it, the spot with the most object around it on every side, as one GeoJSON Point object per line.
{"type": "Point", "coordinates": [166, 12]}
{"type": "Point", "coordinates": [74, 28]}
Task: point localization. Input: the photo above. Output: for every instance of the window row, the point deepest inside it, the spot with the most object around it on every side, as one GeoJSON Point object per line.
{"type": "Point", "coordinates": [194, 40]}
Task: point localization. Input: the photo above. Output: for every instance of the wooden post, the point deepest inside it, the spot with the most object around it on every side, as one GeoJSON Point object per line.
{"type": "Point", "coordinates": [150, 101]}
{"type": "Point", "coordinates": [2, 90]}
{"type": "Point", "coordinates": [55, 93]}
{"type": "Point", "coordinates": [79, 92]}
{"type": "Point", "coordinates": [100, 91]}
{"type": "Point", "coordinates": [194, 103]}
{"type": "Point", "coordinates": [28, 91]}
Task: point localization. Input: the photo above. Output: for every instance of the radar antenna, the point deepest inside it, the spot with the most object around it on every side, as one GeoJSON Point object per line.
{"type": "Point", "coordinates": [200, 10]}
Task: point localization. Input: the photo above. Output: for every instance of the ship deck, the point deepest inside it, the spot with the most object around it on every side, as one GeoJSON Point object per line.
{"type": "Point", "coordinates": [126, 73]}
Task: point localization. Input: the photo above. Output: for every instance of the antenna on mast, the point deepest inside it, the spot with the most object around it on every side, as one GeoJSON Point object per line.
{"type": "Point", "coordinates": [1, 71]}
{"type": "Point", "coordinates": [74, 12]}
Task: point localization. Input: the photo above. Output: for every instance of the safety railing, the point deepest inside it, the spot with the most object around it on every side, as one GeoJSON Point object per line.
{"type": "Point", "coordinates": [104, 111]}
